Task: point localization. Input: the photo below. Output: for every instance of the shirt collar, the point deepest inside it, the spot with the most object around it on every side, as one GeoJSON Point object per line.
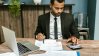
{"type": "Point", "coordinates": [51, 15]}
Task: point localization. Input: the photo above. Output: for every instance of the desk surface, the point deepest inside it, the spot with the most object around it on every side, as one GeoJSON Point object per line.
{"type": "Point", "coordinates": [90, 47]}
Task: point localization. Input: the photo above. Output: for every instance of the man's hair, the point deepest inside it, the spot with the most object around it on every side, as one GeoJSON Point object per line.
{"type": "Point", "coordinates": [60, 1]}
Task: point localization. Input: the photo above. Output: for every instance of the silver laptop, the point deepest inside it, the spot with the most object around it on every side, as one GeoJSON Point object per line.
{"type": "Point", "coordinates": [19, 48]}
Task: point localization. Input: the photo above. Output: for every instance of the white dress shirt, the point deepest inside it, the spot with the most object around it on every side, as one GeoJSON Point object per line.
{"type": "Point", "coordinates": [52, 27]}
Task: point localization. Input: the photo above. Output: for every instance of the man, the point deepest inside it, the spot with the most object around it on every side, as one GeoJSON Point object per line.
{"type": "Point", "coordinates": [66, 28]}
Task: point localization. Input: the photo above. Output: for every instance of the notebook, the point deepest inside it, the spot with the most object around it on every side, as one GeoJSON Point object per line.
{"type": "Point", "coordinates": [19, 48]}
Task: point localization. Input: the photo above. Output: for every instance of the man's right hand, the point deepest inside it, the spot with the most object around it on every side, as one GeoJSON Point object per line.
{"type": "Point", "coordinates": [40, 36]}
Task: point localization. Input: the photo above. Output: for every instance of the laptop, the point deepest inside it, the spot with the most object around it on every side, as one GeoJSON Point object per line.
{"type": "Point", "coordinates": [19, 48]}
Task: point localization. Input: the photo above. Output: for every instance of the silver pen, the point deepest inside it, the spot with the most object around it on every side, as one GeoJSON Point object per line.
{"type": "Point", "coordinates": [43, 41]}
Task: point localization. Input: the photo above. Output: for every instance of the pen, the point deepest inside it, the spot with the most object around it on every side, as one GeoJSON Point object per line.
{"type": "Point", "coordinates": [43, 41]}
{"type": "Point", "coordinates": [43, 38]}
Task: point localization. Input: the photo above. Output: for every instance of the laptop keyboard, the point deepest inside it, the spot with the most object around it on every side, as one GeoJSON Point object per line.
{"type": "Point", "coordinates": [22, 49]}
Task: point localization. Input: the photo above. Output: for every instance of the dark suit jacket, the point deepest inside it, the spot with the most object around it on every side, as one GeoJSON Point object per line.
{"type": "Point", "coordinates": [68, 26]}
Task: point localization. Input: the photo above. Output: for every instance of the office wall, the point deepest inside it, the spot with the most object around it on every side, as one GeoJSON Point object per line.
{"type": "Point", "coordinates": [28, 2]}
{"type": "Point", "coordinates": [96, 31]}
{"type": "Point", "coordinates": [24, 25]}
{"type": "Point", "coordinates": [80, 6]}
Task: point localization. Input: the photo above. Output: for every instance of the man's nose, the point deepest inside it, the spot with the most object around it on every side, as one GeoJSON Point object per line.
{"type": "Point", "coordinates": [59, 10]}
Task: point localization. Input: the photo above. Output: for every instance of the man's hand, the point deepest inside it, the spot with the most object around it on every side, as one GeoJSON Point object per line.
{"type": "Point", "coordinates": [73, 39]}
{"type": "Point", "coordinates": [40, 36]}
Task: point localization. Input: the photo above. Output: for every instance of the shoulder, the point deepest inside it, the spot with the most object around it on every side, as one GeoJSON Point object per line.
{"type": "Point", "coordinates": [45, 15]}
{"type": "Point", "coordinates": [66, 14]}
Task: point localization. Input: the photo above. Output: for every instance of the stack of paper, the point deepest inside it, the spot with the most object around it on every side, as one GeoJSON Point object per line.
{"type": "Point", "coordinates": [49, 45]}
{"type": "Point", "coordinates": [53, 48]}
{"type": "Point", "coordinates": [8, 54]}
{"type": "Point", "coordinates": [56, 53]}
{"type": "Point", "coordinates": [38, 43]}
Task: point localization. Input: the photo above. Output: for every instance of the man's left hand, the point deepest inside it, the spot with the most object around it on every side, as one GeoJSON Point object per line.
{"type": "Point", "coordinates": [73, 39]}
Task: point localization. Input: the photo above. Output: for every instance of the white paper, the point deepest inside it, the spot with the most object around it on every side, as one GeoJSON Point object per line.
{"type": "Point", "coordinates": [38, 43]}
{"type": "Point", "coordinates": [56, 53]}
{"type": "Point", "coordinates": [49, 41]}
{"type": "Point", "coordinates": [51, 45]}
{"type": "Point", "coordinates": [8, 54]}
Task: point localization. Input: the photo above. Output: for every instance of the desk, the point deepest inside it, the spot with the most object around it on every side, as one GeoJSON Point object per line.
{"type": "Point", "coordinates": [90, 47]}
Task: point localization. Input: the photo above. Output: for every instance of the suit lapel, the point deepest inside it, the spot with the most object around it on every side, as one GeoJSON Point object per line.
{"type": "Point", "coordinates": [62, 23]}
{"type": "Point", "coordinates": [47, 24]}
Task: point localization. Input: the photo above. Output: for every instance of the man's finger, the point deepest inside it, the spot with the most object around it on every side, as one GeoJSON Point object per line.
{"type": "Point", "coordinates": [69, 39]}
{"type": "Point", "coordinates": [77, 42]}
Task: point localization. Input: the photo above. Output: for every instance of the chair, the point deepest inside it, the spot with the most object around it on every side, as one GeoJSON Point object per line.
{"type": "Point", "coordinates": [84, 32]}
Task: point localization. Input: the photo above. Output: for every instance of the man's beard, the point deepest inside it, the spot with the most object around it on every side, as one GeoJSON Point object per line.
{"type": "Point", "coordinates": [58, 14]}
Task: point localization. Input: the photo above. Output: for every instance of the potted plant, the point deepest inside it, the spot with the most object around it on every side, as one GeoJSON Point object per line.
{"type": "Point", "coordinates": [14, 7]}
{"type": "Point", "coordinates": [14, 11]}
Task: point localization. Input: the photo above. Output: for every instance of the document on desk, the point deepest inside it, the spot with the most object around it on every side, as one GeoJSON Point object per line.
{"type": "Point", "coordinates": [38, 43]}
{"type": "Point", "coordinates": [50, 45]}
{"type": "Point", "coordinates": [8, 54]}
{"type": "Point", "coordinates": [56, 53]}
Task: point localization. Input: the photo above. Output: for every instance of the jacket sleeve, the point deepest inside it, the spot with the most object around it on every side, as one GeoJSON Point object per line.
{"type": "Point", "coordinates": [74, 29]}
{"type": "Point", "coordinates": [39, 28]}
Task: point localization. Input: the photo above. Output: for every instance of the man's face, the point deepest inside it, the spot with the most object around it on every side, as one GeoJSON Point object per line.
{"type": "Point", "coordinates": [57, 8]}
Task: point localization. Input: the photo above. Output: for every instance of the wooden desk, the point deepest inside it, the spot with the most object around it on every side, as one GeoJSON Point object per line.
{"type": "Point", "coordinates": [90, 47]}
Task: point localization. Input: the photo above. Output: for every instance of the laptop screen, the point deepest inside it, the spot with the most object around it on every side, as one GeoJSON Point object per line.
{"type": "Point", "coordinates": [20, 48]}
{"type": "Point", "coordinates": [10, 40]}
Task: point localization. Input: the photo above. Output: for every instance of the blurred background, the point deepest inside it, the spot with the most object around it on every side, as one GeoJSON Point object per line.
{"type": "Point", "coordinates": [85, 14]}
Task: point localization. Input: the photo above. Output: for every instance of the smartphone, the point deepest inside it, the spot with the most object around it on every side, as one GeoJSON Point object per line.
{"type": "Point", "coordinates": [74, 46]}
